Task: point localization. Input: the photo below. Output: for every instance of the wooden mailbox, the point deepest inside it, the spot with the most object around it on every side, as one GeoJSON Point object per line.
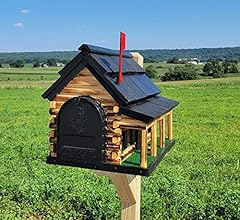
{"type": "Point", "coordinates": [100, 124]}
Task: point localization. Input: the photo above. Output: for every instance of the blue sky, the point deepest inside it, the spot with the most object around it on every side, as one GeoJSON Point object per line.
{"type": "Point", "coordinates": [48, 25]}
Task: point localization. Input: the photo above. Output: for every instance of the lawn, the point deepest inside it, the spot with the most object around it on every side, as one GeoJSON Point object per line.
{"type": "Point", "coordinates": [198, 179]}
{"type": "Point", "coordinates": [28, 74]}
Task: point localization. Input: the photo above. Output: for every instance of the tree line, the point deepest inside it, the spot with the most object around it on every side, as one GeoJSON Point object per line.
{"type": "Point", "coordinates": [203, 54]}
{"type": "Point", "coordinates": [49, 62]}
{"type": "Point", "coordinates": [150, 55]}
{"type": "Point", "coordinates": [213, 68]}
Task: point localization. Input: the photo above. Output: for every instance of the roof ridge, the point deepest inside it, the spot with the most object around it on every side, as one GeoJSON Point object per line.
{"type": "Point", "coordinates": [101, 50]}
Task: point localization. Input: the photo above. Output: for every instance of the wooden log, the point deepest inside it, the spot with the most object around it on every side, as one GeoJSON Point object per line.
{"type": "Point", "coordinates": [53, 119]}
{"type": "Point", "coordinates": [115, 124]}
{"type": "Point", "coordinates": [162, 132]}
{"type": "Point", "coordinates": [153, 141]}
{"type": "Point", "coordinates": [113, 147]}
{"type": "Point", "coordinates": [52, 147]}
{"type": "Point", "coordinates": [115, 131]}
{"type": "Point", "coordinates": [129, 122]}
{"type": "Point", "coordinates": [110, 134]}
{"type": "Point", "coordinates": [170, 130]}
{"type": "Point", "coordinates": [116, 140]}
{"type": "Point", "coordinates": [52, 104]}
{"type": "Point", "coordinates": [53, 140]}
{"type": "Point", "coordinates": [127, 152]}
{"type": "Point", "coordinates": [53, 122]}
{"type": "Point", "coordinates": [53, 154]}
{"type": "Point", "coordinates": [59, 104]}
{"type": "Point", "coordinates": [53, 111]}
{"type": "Point", "coordinates": [115, 155]}
{"type": "Point", "coordinates": [111, 118]}
{"type": "Point", "coordinates": [110, 112]}
{"type": "Point", "coordinates": [110, 143]}
{"type": "Point", "coordinates": [144, 149]}
{"type": "Point", "coordinates": [53, 126]}
{"type": "Point", "coordinates": [52, 133]}
{"type": "Point", "coordinates": [149, 137]}
{"type": "Point", "coordinates": [115, 109]}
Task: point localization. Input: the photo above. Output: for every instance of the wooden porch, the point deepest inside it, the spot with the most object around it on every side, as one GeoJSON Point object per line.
{"type": "Point", "coordinates": [154, 137]}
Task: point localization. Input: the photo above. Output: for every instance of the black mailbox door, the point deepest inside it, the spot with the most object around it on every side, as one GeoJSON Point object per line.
{"type": "Point", "coordinates": [81, 134]}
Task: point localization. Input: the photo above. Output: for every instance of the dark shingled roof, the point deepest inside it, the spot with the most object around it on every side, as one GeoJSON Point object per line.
{"type": "Point", "coordinates": [134, 95]}
{"type": "Point", "coordinates": [149, 109]}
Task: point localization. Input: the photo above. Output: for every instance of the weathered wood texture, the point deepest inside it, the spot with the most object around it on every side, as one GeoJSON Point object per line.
{"type": "Point", "coordinates": [86, 84]}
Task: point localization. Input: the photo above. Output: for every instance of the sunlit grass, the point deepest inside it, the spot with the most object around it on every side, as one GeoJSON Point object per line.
{"type": "Point", "coordinates": [198, 179]}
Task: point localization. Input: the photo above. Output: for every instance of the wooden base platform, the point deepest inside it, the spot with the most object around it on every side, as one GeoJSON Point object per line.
{"type": "Point", "coordinates": [128, 167]}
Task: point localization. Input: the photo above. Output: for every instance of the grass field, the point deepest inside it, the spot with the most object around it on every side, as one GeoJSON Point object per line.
{"type": "Point", "coordinates": [199, 178]}
{"type": "Point", "coordinates": [162, 67]}
{"type": "Point", "coordinates": [28, 74]}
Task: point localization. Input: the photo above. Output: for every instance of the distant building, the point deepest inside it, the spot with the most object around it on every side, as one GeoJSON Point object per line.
{"type": "Point", "coordinates": [193, 62]}
{"type": "Point", "coordinates": [44, 65]}
{"type": "Point", "coordinates": [60, 64]}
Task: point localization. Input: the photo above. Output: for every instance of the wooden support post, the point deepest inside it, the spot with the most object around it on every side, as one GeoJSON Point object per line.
{"type": "Point", "coordinates": [162, 132]}
{"type": "Point", "coordinates": [153, 141]}
{"type": "Point", "coordinates": [144, 149]}
{"type": "Point", "coordinates": [129, 190]}
{"type": "Point", "coordinates": [170, 130]}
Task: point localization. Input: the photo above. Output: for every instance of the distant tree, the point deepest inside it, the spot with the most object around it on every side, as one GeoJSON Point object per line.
{"type": "Point", "coordinates": [214, 68]}
{"type": "Point", "coordinates": [186, 72]}
{"type": "Point", "coordinates": [173, 60]}
{"type": "Point", "coordinates": [151, 71]}
{"type": "Point", "coordinates": [17, 64]}
{"type": "Point", "coordinates": [64, 61]}
{"type": "Point", "coordinates": [51, 62]}
{"type": "Point", "coordinates": [1, 65]}
{"type": "Point", "coordinates": [35, 65]}
{"type": "Point", "coordinates": [233, 68]}
{"type": "Point", "coordinates": [148, 60]}
{"type": "Point", "coordinates": [226, 66]}
{"type": "Point", "coordinates": [207, 68]}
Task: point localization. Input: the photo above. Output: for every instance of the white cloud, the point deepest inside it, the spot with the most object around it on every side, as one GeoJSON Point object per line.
{"type": "Point", "coordinates": [25, 11]}
{"type": "Point", "coordinates": [18, 25]}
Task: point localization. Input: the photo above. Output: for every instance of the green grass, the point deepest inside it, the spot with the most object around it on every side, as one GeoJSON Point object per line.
{"type": "Point", "coordinates": [29, 74]}
{"type": "Point", "coordinates": [198, 179]}
{"type": "Point", "coordinates": [135, 159]}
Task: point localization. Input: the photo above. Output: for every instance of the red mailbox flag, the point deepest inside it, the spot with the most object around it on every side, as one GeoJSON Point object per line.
{"type": "Point", "coordinates": [122, 48]}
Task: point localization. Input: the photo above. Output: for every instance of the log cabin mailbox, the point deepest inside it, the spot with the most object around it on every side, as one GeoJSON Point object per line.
{"type": "Point", "coordinates": [101, 124]}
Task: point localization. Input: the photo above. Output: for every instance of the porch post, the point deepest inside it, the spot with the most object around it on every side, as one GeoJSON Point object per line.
{"type": "Point", "coordinates": [153, 141]}
{"type": "Point", "coordinates": [144, 149]}
{"type": "Point", "coordinates": [162, 132]}
{"type": "Point", "coordinates": [170, 132]}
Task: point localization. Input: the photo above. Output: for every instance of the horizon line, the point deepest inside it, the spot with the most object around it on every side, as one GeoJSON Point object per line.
{"type": "Point", "coordinates": [64, 50]}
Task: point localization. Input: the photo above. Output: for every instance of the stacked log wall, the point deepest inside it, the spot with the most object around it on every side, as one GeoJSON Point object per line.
{"type": "Point", "coordinates": [86, 84]}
